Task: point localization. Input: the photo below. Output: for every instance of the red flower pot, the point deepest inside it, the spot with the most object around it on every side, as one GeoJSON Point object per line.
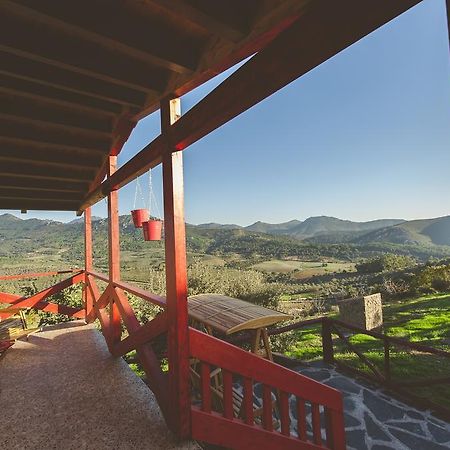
{"type": "Point", "coordinates": [140, 216]}
{"type": "Point", "coordinates": [152, 230]}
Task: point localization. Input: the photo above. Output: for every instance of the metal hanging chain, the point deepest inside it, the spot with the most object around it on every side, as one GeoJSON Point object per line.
{"type": "Point", "coordinates": [151, 195]}
{"type": "Point", "coordinates": [135, 194]}
{"type": "Point", "coordinates": [150, 188]}
{"type": "Point", "coordinates": [138, 188]}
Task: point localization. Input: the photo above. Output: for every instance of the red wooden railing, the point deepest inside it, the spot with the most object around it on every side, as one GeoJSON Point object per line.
{"type": "Point", "coordinates": [319, 409]}
{"type": "Point", "coordinates": [225, 429]}
{"type": "Point", "coordinates": [139, 336]}
{"type": "Point", "coordinates": [37, 301]}
{"type": "Point", "coordinates": [206, 424]}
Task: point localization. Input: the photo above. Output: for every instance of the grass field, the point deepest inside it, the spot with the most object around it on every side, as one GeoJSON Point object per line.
{"type": "Point", "coordinates": [423, 320]}
{"type": "Point", "coordinates": [303, 269]}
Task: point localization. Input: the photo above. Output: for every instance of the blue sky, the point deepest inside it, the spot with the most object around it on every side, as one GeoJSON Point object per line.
{"type": "Point", "coordinates": [363, 136]}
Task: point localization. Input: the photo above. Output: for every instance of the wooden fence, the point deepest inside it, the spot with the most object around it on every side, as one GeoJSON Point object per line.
{"type": "Point", "coordinates": [335, 332]}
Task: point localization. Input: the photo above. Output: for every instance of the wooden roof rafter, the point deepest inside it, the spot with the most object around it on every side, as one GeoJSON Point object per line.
{"type": "Point", "coordinates": [75, 77]}
{"type": "Point", "coordinates": [23, 155]}
{"type": "Point", "coordinates": [31, 184]}
{"type": "Point", "coordinates": [198, 17]}
{"type": "Point", "coordinates": [114, 26]}
{"type": "Point", "coordinates": [14, 66]}
{"type": "Point", "coordinates": [27, 108]}
{"type": "Point", "coordinates": [331, 28]}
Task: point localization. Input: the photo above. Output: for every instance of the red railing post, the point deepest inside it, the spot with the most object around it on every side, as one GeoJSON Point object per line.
{"type": "Point", "coordinates": [176, 276]}
{"type": "Point", "coordinates": [88, 260]}
{"type": "Point", "coordinates": [114, 253]}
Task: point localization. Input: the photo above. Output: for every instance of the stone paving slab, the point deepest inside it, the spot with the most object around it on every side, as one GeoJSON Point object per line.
{"type": "Point", "coordinates": [63, 390]}
{"type": "Point", "coordinates": [375, 421]}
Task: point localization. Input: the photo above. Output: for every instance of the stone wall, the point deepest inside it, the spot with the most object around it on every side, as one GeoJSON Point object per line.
{"type": "Point", "coordinates": [364, 312]}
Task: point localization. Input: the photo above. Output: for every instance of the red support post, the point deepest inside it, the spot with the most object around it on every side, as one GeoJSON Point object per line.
{"type": "Point", "coordinates": [114, 253]}
{"type": "Point", "coordinates": [88, 261]}
{"type": "Point", "coordinates": [176, 275]}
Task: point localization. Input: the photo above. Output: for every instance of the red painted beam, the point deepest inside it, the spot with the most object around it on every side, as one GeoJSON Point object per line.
{"type": "Point", "coordinates": [324, 30]}
{"type": "Point", "coordinates": [113, 253]}
{"type": "Point", "coordinates": [142, 293]}
{"type": "Point", "coordinates": [145, 333]}
{"type": "Point", "coordinates": [37, 275]}
{"type": "Point", "coordinates": [99, 303]}
{"type": "Point", "coordinates": [88, 262]}
{"type": "Point", "coordinates": [135, 290]}
{"type": "Point", "coordinates": [176, 276]}
{"type": "Point", "coordinates": [215, 429]}
{"type": "Point", "coordinates": [77, 313]}
{"type": "Point", "coordinates": [150, 363]}
{"type": "Point", "coordinates": [219, 353]}
{"type": "Point", "coordinates": [30, 302]}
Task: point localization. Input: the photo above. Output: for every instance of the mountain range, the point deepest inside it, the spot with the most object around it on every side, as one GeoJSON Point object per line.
{"type": "Point", "coordinates": [322, 229]}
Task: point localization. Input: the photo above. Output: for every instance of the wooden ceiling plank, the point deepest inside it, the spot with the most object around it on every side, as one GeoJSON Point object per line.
{"type": "Point", "coordinates": [14, 141]}
{"type": "Point", "coordinates": [38, 205]}
{"type": "Point", "coordinates": [14, 130]}
{"type": "Point", "coordinates": [10, 181]}
{"type": "Point", "coordinates": [24, 107]}
{"type": "Point", "coordinates": [57, 159]}
{"type": "Point", "coordinates": [49, 95]}
{"type": "Point", "coordinates": [40, 43]}
{"type": "Point", "coordinates": [199, 18]}
{"type": "Point", "coordinates": [38, 72]}
{"type": "Point", "coordinates": [50, 125]}
{"type": "Point", "coordinates": [45, 172]}
{"type": "Point", "coordinates": [11, 193]}
{"type": "Point", "coordinates": [115, 28]}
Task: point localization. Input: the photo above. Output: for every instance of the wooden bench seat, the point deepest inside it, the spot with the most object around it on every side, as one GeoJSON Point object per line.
{"type": "Point", "coordinates": [14, 327]}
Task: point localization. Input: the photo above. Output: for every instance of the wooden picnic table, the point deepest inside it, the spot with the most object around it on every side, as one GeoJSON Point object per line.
{"type": "Point", "coordinates": [228, 315]}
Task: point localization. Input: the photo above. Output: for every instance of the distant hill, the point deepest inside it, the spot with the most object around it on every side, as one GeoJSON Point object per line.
{"type": "Point", "coordinates": [81, 219]}
{"type": "Point", "coordinates": [420, 232]}
{"type": "Point", "coordinates": [219, 226]}
{"type": "Point", "coordinates": [323, 226]}
{"type": "Point", "coordinates": [274, 228]}
{"type": "Point", "coordinates": [312, 239]}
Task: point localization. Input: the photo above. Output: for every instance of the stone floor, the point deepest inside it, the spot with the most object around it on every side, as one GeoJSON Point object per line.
{"type": "Point", "coordinates": [375, 421]}
{"type": "Point", "coordinates": [63, 390]}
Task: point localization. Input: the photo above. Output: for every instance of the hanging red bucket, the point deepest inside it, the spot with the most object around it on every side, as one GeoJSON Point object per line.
{"type": "Point", "coordinates": [140, 216]}
{"type": "Point", "coordinates": [152, 230]}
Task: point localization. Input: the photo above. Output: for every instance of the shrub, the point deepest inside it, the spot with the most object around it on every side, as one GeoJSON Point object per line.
{"type": "Point", "coordinates": [432, 279]}
{"type": "Point", "coordinates": [247, 285]}
{"type": "Point", "coordinates": [385, 263]}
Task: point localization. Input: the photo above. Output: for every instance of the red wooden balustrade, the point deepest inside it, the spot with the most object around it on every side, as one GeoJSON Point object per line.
{"type": "Point", "coordinates": [37, 301]}
{"type": "Point", "coordinates": [225, 429]}
{"type": "Point", "coordinates": [139, 335]}
{"type": "Point", "coordinates": [273, 430]}
{"type": "Point", "coordinates": [209, 425]}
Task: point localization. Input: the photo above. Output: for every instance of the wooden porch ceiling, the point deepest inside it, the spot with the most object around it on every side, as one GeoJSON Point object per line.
{"type": "Point", "coordinates": [76, 76]}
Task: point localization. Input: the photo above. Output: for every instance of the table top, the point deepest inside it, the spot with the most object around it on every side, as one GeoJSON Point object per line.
{"type": "Point", "coordinates": [229, 315]}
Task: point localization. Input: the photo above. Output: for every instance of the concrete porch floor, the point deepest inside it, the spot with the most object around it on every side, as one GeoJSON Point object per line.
{"type": "Point", "coordinates": [63, 390]}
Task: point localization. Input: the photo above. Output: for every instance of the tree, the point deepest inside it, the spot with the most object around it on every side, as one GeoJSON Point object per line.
{"type": "Point", "coordinates": [386, 263]}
